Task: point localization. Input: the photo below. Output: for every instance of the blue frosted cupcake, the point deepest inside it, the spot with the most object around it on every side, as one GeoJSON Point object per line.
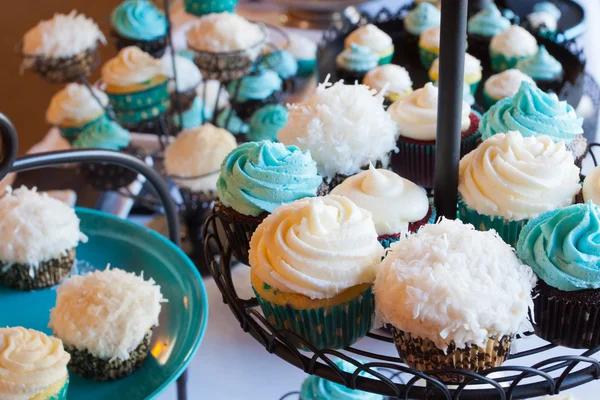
{"type": "Point", "coordinates": [203, 7]}
{"type": "Point", "coordinates": [421, 18]}
{"type": "Point", "coordinates": [544, 18]}
{"type": "Point", "coordinates": [284, 63]}
{"type": "Point", "coordinates": [266, 122]}
{"type": "Point", "coordinates": [229, 120]}
{"type": "Point", "coordinates": [354, 62]}
{"type": "Point", "coordinates": [375, 39]}
{"type": "Point", "coordinates": [511, 45]}
{"type": "Point", "coordinates": [251, 92]}
{"type": "Point", "coordinates": [305, 52]}
{"type": "Point", "coordinates": [191, 117]}
{"type": "Point", "coordinates": [545, 70]}
{"type": "Point", "coordinates": [483, 26]}
{"type": "Point", "coordinates": [139, 23]}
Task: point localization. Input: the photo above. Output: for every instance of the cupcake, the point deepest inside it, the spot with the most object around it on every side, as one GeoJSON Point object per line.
{"type": "Point", "coordinates": [549, 8]}
{"type": "Point", "coordinates": [74, 108]}
{"type": "Point", "coordinates": [429, 46]}
{"type": "Point", "coordinates": [192, 117]}
{"type": "Point", "coordinates": [395, 77]}
{"type": "Point", "coordinates": [375, 39]}
{"type": "Point", "coordinates": [139, 23]}
{"type": "Point", "coordinates": [229, 120]}
{"type": "Point", "coordinates": [510, 46]}
{"type": "Point", "coordinates": [533, 112]}
{"type": "Point", "coordinates": [483, 26]}
{"type": "Point", "coordinates": [472, 72]}
{"type": "Point", "coordinates": [254, 91]}
{"type": "Point", "coordinates": [255, 179]}
{"type": "Point", "coordinates": [345, 127]}
{"type": "Point", "coordinates": [136, 86]}
{"type": "Point", "coordinates": [545, 70]}
{"type": "Point", "coordinates": [354, 62]}
{"type": "Point", "coordinates": [32, 365]}
{"type": "Point", "coordinates": [591, 187]}
{"type": "Point", "coordinates": [305, 52]}
{"type": "Point", "coordinates": [503, 85]}
{"type": "Point", "coordinates": [419, 19]}
{"type": "Point", "coordinates": [188, 80]}
{"type": "Point", "coordinates": [266, 122]}
{"type": "Point", "coordinates": [562, 248]}
{"type": "Point", "coordinates": [455, 298]}
{"type": "Point", "coordinates": [544, 18]}
{"type": "Point", "coordinates": [510, 179]}
{"type": "Point", "coordinates": [397, 205]}
{"type": "Point", "coordinates": [203, 7]}
{"type": "Point", "coordinates": [312, 265]}
{"type": "Point", "coordinates": [416, 118]}
{"type": "Point", "coordinates": [43, 252]}
{"type": "Point", "coordinates": [62, 49]}
{"type": "Point", "coordinates": [128, 307]}
{"type": "Point", "coordinates": [225, 45]}
{"type": "Point", "coordinates": [284, 63]}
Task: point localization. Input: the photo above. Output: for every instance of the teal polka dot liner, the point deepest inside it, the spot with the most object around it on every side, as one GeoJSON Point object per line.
{"type": "Point", "coordinates": [72, 132]}
{"type": "Point", "coordinates": [306, 67]}
{"type": "Point", "coordinates": [333, 328]}
{"type": "Point", "coordinates": [203, 7]}
{"type": "Point", "coordinates": [143, 114]}
{"type": "Point", "coordinates": [500, 62]}
{"type": "Point", "coordinates": [139, 100]}
{"type": "Point", "coordinates": [427, 57]}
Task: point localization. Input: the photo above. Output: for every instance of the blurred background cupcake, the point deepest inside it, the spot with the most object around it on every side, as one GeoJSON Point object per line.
{"type": "Point", "coordinates": [354, 62]}
{"type": "Point", "coordinates": [284, 63]}
{"type": "Point", "coordinates": [546, 71]}
{"type": "Point", "coordinates": [394, 76]}
{"type": "Point", "coordinates": [544, 18]}
{"type": "Point", "coordinates": [483, 26]}
{"type": "Point", "coordinates": [214, 96]}
{"type": "Point", "coordinates": [510, 46]}
{"type": "Point", "coordinates": [419, 19]}
{"type": "Point", "coordinates": [139, 23]}
{"type": "Point", "coordinates": [471, 73]}
{"type": "Point", "coordinates": [305, 52]}
{"type": "Point", "coordinates": [375, 39]}
{"type": "Point", "coordinates": [251, 92]}
{"type": "Point", "coordinates": [502, 85]}
{"type": "Point", "coordinates": [229, 120]}
{"type": "Point", "coordinates": [429, 46]}
{"type": "Point", "coordinates": [203, 7]}
{"type": "Point", "coordinates": [266, 122]}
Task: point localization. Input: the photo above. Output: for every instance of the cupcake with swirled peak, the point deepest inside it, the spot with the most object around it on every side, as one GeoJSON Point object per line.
{"type": "Point", "coordinates": [510, 179]}
{"type": "Point", "coordinates": [284, 63]}
{"type": "Point", "coordinates": [375, 39]}
{"type": "Point", "coordinates": [40, 236]}
{"type": "Point", "coordinates": [32, 365]}
{"type": "Point", "coordinates": [533, 113]}
{"type": "Point", "coordinates": [546, 71]}
{"type": "Point", "coordinates": [62, 49]}
{"type": "Point", "coordinates": [140, 23]}
{"type": "Point", "coordinates": [354, 62]}
{"type": "Point", "coordinates": [266, 122]}
{"type": "Point", "coordinates": [345, 127]}
{"type": "Point", "coordinates": [188, 80]}
{"type": "Point", "coordinates": [510, 46]}
{"type": "Point", "coordinates": [455, 298]}
{"type": "Point", "coordinates": [252, 92]}
{"type": "Point", "coordinates": [74, 108]}
{"type": "Point", "coordinates": [419, 19]}
{"type": "Point", "coordinates": [137, 88]}
{"type": "Point", "coordinates": [394, 76]}
{"type": "Point", "coordinates": [471, 73]}
{"type": "Point", "coordinates": [255, 179]}
{"type": "Point", "coordinates": [563, 249]}
{"type": "Point", "coordinates": [502, 85]}
{"type": "Point", "coordinates": [312, 265]}
{"type": "Point", "coordinates": [305, 52]}
{"type": "Point", "coordinates": [229, 120]}
{"type": "Point", "coordinates": [544, 18]}
{"type": "Point", "coordinates": [483, 26]}
{"type": "Point", "coordinates": [397, 205]}
{"type": "Point", "coordinates": [416, 118]}
{"type": "Point", "coordinates": [105, 320]}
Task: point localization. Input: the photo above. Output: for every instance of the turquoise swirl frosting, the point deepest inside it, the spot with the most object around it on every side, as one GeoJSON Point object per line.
{"type": "Point", "coordinates": [233, 123]}
{"type": "Point", "coordinates": [532, 112]}
{"type": "Point", "coordinates": [315, 388]}
{"type": "Point", "coordinates": [139, 20]}
{"type": "Point", "coordinates": [105, 134]}
{"type": "Point", "coordinates": [541, 66]}
{"type": "Point", "coordinates": [257, 86]}
{"type": "Point", "coordinates": [260, 176]}
{"type": "Point", "coordinates": [563, 247]}
{"type": "Point", "coordinates": [488, 22]}
{"type": "Point", "coordinates": [282, 62]}
{"type": "Point", "coordinates": [266, 122]}
{"type": "Point", "coordinates": [424, 16]}
{"type": "Point", "coordinates": [192, 117]}
{"type": "Point", "coordinates": [357, 58]}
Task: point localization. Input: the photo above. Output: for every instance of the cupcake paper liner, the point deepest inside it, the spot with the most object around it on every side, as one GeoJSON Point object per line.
{"type": "Point", "coordinates": [500, 62]}
{"type": "Point", "coordinates": [85, 364]}
{"type": "Point", "coordinates": [70, 133]}
{"type": "Point", "coordinates": [386, 57]}
{"type": "Point", "coordinates": [335, 327]}
{"type": "Point", "coordinates": [107, 176]}
{"type": "Point", "coordinates": [473, 86]}
{"type": "Point", "coordinates": [203, 7]}
{"type": "Point", "coordinates": [427, 57]}
{"type": "Point", "coordinates": [422, 355]}
{"type": "Point", "coordinates": [134, 117]}
{"type": "Point", "coordinates": [47, 274]}
{"type": "Point", "coordinates": [245, 109]}
{"type": "Point", "coordinates": [156, 48]}
{"type": "Point", "coordinates": [306, 67]}
{"type": "Point", "coordinates": [387, 240]}
{"type": "Point", "coordinates": [186, 99]}
{"type": "Point", "coordinates": [225, 67]}
{"type": "Point", "coordinates": [139, 101]}
{"type": "Point", "coordinates": [63, 70]}
{"type": "Point", "coordinates": [413, 227]}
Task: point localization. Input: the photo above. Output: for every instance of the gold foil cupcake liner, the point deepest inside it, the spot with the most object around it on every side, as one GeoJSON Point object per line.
{"type": "Point", "coordinates": [47, 274]}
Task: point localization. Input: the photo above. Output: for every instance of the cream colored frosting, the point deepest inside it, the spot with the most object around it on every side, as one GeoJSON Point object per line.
{"type": "Point", "coordinates": [514, 42]}
{"type": "Point", "coordinates": [370, 36]}
{"type": "Point", "coordinates": [451, 283]}
{"type": "Point", "coordinates": [394, 76]}
{"type": "Point", "coordinates": [188, 74]}
{"type": "Point", "coordinates": [430, 38]}
{"type": "Point", "coordinates": [505, 84]}
{"type": "Point", "coordinates": [131, 66]}
{"type": "Point", "coordinates": [199, 152]}
{"type": "Point", "coordinates": [416, 114]}
{"type": "Point", "coordinates": [301, 48]}
{"type": "Point", "coordinates": [393, 201]}
{"type": "Point", "coordinates": [75, 103]}
{"type": "Point", "coordinates": [317, 247]}
{"type": "Point", "coordinates": [472, 66]}
{"type": "Point", "coordinates": [536, 19]}
{"type": "Point", "coordinates": [518, 178]}
{"type": "Point", "coordinates": [62, 36]}
{"type": "Point", "coordinates": [591, 186]}
{"type": "Point", "coordinates": [30, 362]}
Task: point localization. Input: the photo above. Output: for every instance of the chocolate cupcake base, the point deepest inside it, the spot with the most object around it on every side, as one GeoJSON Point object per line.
{"type": "Point", "coordinates": [47, 274]}
{"type": "Point", "coordinates": [245, 109]}
{"type": "Point", "coordinates": [63, 70]}
{"type": "Point", "coordinates": [350, 77]}
{"type": "Point", "coordinates": [156, 48]}
{"type": "Point", "coordinates": [106, 176]}
{"type": "Point", "coordinates": [196, 207]}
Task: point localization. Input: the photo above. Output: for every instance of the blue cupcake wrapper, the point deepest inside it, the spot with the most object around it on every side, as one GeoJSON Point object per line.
{"type": "Point", "coordinates": [72, 132]}
{"type": "Point", "coordinates": [427, 57]}
{"type": "Point", "coordinates": [203, 7]}
{"type": "Point", "coordinates": [136, 101]}
{"type": "Point", "coordinates": [306, 67]}
{"type": "Point", "coordinates": [336, 327]}
{"type": "Point", "coordinates": [144, 114]}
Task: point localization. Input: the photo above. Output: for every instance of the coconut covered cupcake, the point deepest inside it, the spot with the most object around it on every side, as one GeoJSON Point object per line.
{"type": "Point", "coordinates": [503, 85]}
{"type": "Point", "coordinates": [119, 345]}
{"type": "Point", "coordinates": [375, 39]}
{"type": "Point", "coordinates": [393, 78]}
{"type": "Point", "coordinates": [510, 46]}
{"type": "Point", "coordinates": [546, 71]}
{"type": "Point", "coordinates": [43, 252]}
{"type": "Point", "coordinates": [140, 23]}
{"type": "Point", "coordinates": [471, 73]}
{"type": "Point", "coordinates": [32, 366]}
{"type": "Point", "coordinates": [312, 266]}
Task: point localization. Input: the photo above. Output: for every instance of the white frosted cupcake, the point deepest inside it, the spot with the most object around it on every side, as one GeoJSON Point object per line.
{"type": "Point", "coordinates": [305, 52]}
{"type": "Point", "coordinates": [503, 85]}
{"type": "Point", "coordinates": [188, 79]}
{"type": "Point", "coordinates": [471, 74]}
{"type": "Point", "coordinates": [394, 76]}
{"type": "Point", "coordinates": [375, 39]}
{"type": "Point", "coordinates": [510, 46]}
{"type": "Point", "coordinates": [105, 320]}
{"type": "Point", "coordinates": [39, 239]}
{"type": "Point", "coordinates": [429, 46]}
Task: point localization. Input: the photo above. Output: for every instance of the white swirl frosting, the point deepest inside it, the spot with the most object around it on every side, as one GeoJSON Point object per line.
{"type": "Point", "coordinates": [514, 42]}
{"type": "Point", "coordinates": [317, 247]}
{"type": "Point", "coordinates": [505, 84]}
{"type": "Point", "coordinates": [591, 186]}
{"type": "Point", "coordinates": [131, 66]}
{"type": "Point", "coordinates": [518, 178]}
{"type": "Point", "coordinates": [395, 76]}
{"type": "Point", "coordinates": [430, 38]}
{"type": "Point", "coordinates": [393, 201]}
{"type": "Point", "coordinates": [416, 114]}
{"type": "Point", "coordinates": [30, 362]}
{"type": "Point", "coordinates": [75, 104]}
{"type": "Point", "coordinates": [370, 36]}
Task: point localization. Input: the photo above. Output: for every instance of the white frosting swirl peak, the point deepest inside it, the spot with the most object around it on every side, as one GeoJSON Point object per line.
{"type": "Point", "coordinates": [75, 104]}
{"type": "Point", "coordinates": [131, 66]}
{"type": "Point", "coordinates": [430, 38]}
{"type": "Point", "coordinates": [514, 42]}
{"type": "Point", "coordinates": [505, 84]}
{"type": "Point", "coordinates": [317, 247]}
{"type": "Point", "coordinates": [370, 36]}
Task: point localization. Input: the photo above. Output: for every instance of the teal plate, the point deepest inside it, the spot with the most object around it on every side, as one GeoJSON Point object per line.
{"type": "Point", "coordinates": [133, 248]}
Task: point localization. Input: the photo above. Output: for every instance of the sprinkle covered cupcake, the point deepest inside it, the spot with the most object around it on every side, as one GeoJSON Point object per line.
{"type": "Point", "coordinates": [483, 26]}
{"type": "Point", "coordinates": [254, 91]}
{"type": "Point", "coordinates": [510, 179]}
{"type": "Point", "coordinates": [139, 23]}
{"type": "Point", "coordinates": [562, 247]}
{"type": "Point", "coordinates": [354, 62]}
{"type": "Point", "coordinates": [429, 46]}
{"type": "Point", "coordinates": [545, 70]}
{"type": "Point", "coordinates": [421, 18]}
{"type": "Point", "coordinates": [503, 85]}
{"type": "Point", "coordinates": [455, 298]}
{"type": "Point", "coordinates": [203, 7]}
{"type": "Point", "coordinates": [62, 49]}
{"type": "Point", "coordinates": [375, 39]}
{"type": "Point", "coordinates": [43, 252]}
{"type": "Point", "coordinates": [305, 52]}
{"type": "Point", "coordinates": [266, 122]}
{"type": "Point", "coordinates": [471, 73]}
{"type": "Point", "coordinates": [32, 365]}
{"type": "Point", "coordinates": [312, 266]}
{"type": "Point", "coordinates": [510, 46]}
{"type": "Point", "coordinates": [395, 77]}
{"type": "Point", "coordinates": [119, 345]}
